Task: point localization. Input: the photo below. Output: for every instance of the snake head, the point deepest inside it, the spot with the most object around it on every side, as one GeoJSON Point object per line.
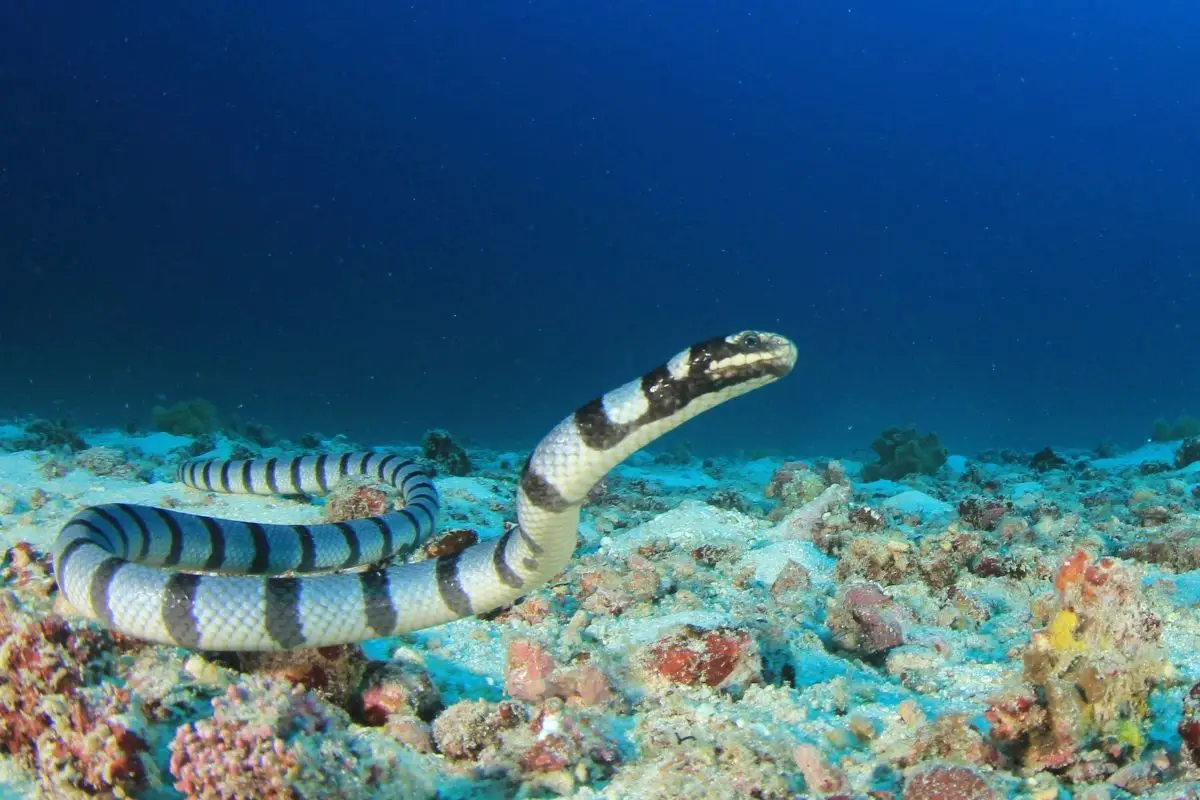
{"type": "Point", "coordinates": [743, 356]}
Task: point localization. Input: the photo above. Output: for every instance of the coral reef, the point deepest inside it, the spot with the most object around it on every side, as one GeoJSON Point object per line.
{"type": "Point", "coordinates": [793, 485]}
{"type": "Point", "coordinates": [271, 740]}
{"type": "Point", "coordinates": [555, 748]}
{"type": "Point", "coordinates": [903, 452]}
{"type": "Point", "coordinates": [450, 457]}
{"type": "Point", "coordinates": [80, 736]}
{"type": "Point", "coordinates": [1013, 624]}
{"type": "Point", "coordinates": [44, 434]}
{"type": "Point", "coordinates": [1089, 674]}
{"type": "Point", "coordinates": [1188, 452]}
{"type": "Point", "coordinates": [106, 462]}
{"type": "Point", "coordinates": [1046, 459]}
{"type": "Point", "coordinates": [534, 676]}
{"type": "Point", "coordinates": [357, 497]}
{"type": "Point", "coordinates": [865, 620]}
{"type": "Point", "coordinates": [944, 781]}
{"type": "Point", "coordinates": [333, 673]}
{"type": "Point", "coordinates": [1184, 427]}
{"type": "Point", "coordinates": [195, 417]}
{"type": "Point", "coordinates": [723, 658]}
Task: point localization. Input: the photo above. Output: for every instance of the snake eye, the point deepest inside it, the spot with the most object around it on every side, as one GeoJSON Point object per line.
{"type": "Point", "coordinates": [752, 341]}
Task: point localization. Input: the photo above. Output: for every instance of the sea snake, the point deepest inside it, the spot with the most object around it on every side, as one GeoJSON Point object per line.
{"type": "Point", "coordinates": [215, 584]}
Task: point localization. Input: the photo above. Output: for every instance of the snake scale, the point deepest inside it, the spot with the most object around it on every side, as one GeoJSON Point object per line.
{"type": "Point", "coordinates": [215, 584]}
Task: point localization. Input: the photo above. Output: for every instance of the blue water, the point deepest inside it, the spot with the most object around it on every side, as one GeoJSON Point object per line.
{"type": "Point", "coordinates": [374, 218]}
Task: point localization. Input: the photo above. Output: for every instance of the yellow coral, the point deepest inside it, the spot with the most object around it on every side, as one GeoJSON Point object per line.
{"type": "Point", "coordinates": [1130, 732]}
{"type": "Point", "coordinates": [1062, 631]}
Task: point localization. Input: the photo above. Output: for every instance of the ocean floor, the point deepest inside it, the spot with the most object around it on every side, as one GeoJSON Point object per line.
{"type": "Point", "coordinates": [1013, 625]}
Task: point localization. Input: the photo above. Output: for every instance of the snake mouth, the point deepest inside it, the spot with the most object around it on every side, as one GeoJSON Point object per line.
{"type": "Point", "coordinates": [782, 357]}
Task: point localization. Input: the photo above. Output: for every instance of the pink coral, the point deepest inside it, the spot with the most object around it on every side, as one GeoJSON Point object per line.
{"type": "Point", "coordinates": [27, 569]}
{"type": "Point", "coordinates": [74, 739]}
{"type": "Point", "coordinates": [89, 748]}
{"type": "Point", "coordinates": [820, 776]}
{"type": "Point", "coordinates": [38, 659]}
{"type": "Point", "coordinates": [529, 670]}
{"type": "Point", "coordinates": [274, 741]}
{"type": "Point", "coordinates": [533, 676]}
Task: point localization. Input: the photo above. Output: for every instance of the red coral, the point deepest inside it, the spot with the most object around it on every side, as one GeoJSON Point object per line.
{"type": "Point", "coordinates": [718, 658]}
{"type": "Point", "coordinates": [865, 619]}
{"type": "Point", "coordinates": [948, 782]}
{"type": "Point", "coordinates": [1189, 725]}
{"type": "Point", "coordinates": [563, 739]}
{"type": "Point", "coordinates": [982, 512]}
{"type": "Point", "coordinates": [1014, 716]}
{"type": "Point", "coordinates": [1071, 572]}
{"type": "Point", "coordinates": [548, 754]}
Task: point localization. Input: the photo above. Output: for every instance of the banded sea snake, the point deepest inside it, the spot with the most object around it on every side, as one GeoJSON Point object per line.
{"type": "Point", "coordinates": [215, 584]}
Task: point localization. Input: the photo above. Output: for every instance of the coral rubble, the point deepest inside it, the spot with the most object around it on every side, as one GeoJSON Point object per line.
{"type": "Point", "coordinates": [924, 626]}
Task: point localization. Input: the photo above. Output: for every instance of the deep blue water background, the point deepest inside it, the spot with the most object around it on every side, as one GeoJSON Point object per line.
{"type": "Point", "coordinates": [980, 218]}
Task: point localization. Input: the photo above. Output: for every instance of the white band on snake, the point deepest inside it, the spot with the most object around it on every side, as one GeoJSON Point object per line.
{"type": "Point", "coordinates": [215, 584]}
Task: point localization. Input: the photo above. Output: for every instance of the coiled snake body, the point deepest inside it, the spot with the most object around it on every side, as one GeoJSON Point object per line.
{"type": "Point", "coordinates": [216, 584]}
